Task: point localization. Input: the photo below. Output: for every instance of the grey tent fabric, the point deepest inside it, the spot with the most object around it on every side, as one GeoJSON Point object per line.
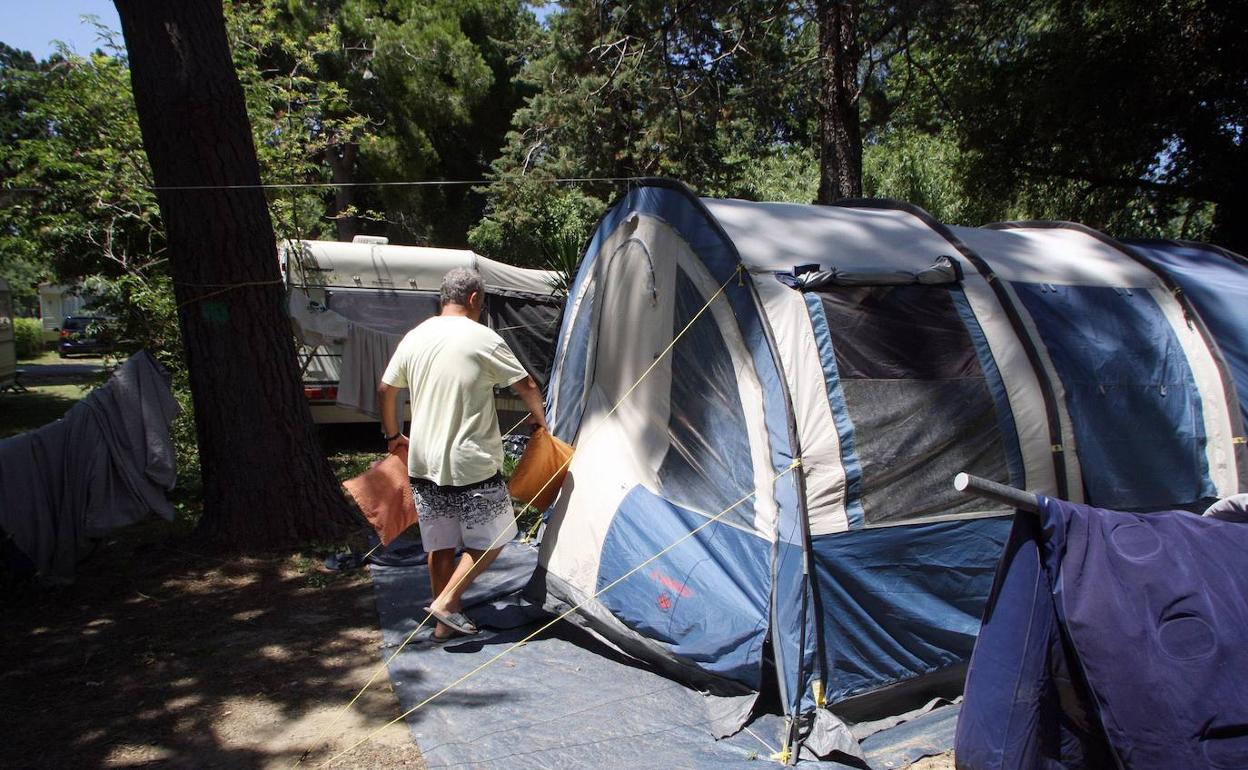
{"type": "Point", "coordinates": [364, 359]}
{"type": "Point", "coordinates": [107, 463]}
{"type": "Point", "coordinates": [1233, 508]}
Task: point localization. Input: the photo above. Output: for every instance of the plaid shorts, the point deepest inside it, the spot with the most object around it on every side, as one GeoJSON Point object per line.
{"type": "Point", "coordinates": [477, 516]}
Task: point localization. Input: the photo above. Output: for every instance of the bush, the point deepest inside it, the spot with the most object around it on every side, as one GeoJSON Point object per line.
{"type": "Point", "coordinates": [29, 334]}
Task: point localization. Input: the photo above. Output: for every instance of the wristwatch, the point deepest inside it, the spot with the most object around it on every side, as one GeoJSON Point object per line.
{"type": "Point", "coordinates": [388, 439]}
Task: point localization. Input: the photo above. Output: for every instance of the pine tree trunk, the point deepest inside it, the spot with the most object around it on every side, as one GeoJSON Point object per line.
{"type": "Point", "coordinates": [342, 166]}
{"type": "Point", "coordinates": [1230, 220]}
{"type": "Point", "coordinates": [840, 138]}
{"type": "Point", "coordinates": [266, 482]}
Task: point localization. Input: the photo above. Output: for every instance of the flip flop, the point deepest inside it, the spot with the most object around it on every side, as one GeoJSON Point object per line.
{"type": "Point", "coordinates": [433, 638]}
{"type": "Point", "coordinates": [456, 620]}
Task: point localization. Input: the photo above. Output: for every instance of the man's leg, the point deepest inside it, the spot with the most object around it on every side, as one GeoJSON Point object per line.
{"type": "Point", "coordinates": [441, 570]}
{"type": "Point", "coordinates": [471, 564]}
{"type": "Point", "coordinates": [441, 567]}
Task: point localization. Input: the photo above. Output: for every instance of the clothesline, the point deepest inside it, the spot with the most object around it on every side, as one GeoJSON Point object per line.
{"type": "Point", "coordinates": [340, 185]}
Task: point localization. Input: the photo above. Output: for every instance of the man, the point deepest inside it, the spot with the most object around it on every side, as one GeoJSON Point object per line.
{"type": "Point", "coordinates": [450, 365]}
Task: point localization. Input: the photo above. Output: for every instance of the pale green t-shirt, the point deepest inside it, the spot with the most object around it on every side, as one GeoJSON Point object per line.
{"type": "Point", "coordinates": [450, 366]}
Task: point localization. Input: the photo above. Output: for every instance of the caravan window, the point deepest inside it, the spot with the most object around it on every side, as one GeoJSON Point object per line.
{"type": "Point", "coordinates": [394, 312]}
{"type": "Point", "coordinates": [908, 388]}
{"type": "Point", "coordinates": [707, 466]}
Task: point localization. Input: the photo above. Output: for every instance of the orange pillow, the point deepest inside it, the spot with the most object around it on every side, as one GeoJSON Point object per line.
{"type": "Point", "coordinates": [384, 496]}
{"type": "Point", "coordinates": [539, 474]}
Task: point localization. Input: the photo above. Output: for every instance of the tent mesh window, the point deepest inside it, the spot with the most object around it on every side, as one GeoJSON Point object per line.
{"type": "Point", "coordinates": [573, 386]}
{"type": "Point", "coordinates": [707, 466]}
{"type": "Point", "coordinates": [916, 397]}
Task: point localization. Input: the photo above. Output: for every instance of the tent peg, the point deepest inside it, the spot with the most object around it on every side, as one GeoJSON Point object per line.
{"type": "Point", "coordinates": [1016, 498]}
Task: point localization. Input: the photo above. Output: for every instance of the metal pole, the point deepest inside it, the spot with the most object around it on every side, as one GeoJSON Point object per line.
{"type": "Point", "coordinates": [1015, 498]}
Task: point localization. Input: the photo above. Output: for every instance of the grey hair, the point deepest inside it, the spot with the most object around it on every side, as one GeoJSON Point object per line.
{"type": "Point", "coordinates": [459, 284]}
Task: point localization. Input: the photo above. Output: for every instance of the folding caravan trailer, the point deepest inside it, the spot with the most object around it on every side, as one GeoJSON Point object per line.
{"type": "Point", "coordinates": [337, 290]}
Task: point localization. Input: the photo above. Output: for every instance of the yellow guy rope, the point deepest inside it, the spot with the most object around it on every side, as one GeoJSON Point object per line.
{"type": "Point", "coordinates": [561, 469]}
{"type": "Point", "coordinates": [792, 466]}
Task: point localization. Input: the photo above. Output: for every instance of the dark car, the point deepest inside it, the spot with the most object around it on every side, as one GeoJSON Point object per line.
{"type": "Point", "coordinates": [83, 334]}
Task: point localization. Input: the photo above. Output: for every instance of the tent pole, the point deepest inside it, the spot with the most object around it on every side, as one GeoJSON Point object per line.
{"type": "Point", "coordinates": [1017, 498]}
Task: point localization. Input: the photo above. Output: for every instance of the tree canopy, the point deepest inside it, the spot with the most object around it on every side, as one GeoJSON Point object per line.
{"type": "Point", "coordinates": [1128, 117]}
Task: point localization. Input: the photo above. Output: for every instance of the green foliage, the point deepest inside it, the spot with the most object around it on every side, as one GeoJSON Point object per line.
{"type": "Point", "coordinates": [532, 221]}
{"type": "Point", "coordinates": [385, 92]}
{"type": "Point", "coordinates": [1126, 116]}
{"type": "Point", "coordinates": [28, 334]}
{"type": "Point", "coordinates": [922, 168]}
{"type": "Point", "coordinates": [705, 92]}
{"type": "Point", "coordinates": [80, 157]}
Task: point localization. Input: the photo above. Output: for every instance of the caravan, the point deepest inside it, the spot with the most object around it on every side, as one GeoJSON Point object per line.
{"type": "Point", "coordinates": [350, 303]}
{"type": "Point", "coordinates": [58, 302]}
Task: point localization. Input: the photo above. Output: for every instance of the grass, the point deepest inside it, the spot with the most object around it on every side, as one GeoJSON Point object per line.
{"type": "Point", "coordinates": [51, 357]}
{"type": "Point", "coordinates": [20, 412]}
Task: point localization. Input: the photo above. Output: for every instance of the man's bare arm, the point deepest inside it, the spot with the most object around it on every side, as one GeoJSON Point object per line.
{"type": "Point", "coordinates": [387, 404]}
{"type": "Point", "coordinates": [531, 395]}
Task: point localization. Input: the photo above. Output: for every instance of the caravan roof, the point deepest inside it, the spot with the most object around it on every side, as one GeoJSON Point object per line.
{"type": "Point", "coordinates": [381, 266]}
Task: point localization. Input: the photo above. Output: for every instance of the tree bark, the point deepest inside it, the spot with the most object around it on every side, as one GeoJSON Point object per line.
{"type": "Point", "coordinates": [342, 166]}
{"type": "Point", "coordinates": [840, 137]}
{"type": "Point", "coordinates": [266, 482]}
{"type": "Point", "coordinates": [1230, 220]}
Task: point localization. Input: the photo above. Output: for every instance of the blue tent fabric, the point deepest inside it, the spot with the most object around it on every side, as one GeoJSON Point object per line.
{"type": "Point", "coordinates": [705, 599]}
{"type": "Point", "coordinates": [1131, 393]}
{"type": "Point", "coordinates": [899, 602]}
{"type": "Point", "coordinates": [1218, 287]}
{"type": "Point", "coordinates": [1112, 639]}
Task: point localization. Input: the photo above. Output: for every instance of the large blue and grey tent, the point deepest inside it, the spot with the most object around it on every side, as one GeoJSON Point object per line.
{"type": "Point", "coordinates": [707, 345]}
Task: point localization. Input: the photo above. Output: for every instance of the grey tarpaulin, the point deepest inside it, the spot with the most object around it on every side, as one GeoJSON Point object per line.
{"type": "Point", "coordinates": [107, 463]}
{"type": "Point", "coordinates": [564, 700]}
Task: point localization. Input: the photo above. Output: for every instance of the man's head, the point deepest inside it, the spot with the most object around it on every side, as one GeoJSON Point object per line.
{"type": "Point", "coordinates": [464, 288]}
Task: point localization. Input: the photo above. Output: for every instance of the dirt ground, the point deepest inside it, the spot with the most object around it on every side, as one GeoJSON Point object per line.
{"type": "Point", "coordinates": [162, 654]}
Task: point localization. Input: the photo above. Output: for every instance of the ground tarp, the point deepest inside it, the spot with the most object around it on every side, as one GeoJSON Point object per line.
{"type": "Point", "coordinates": [564, 700]}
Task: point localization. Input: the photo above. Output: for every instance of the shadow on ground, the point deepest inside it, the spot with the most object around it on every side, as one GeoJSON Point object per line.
{"type": "Point", "coordinates": [164, 653]}
{"type": "Point", "coordinates": [38, 406]}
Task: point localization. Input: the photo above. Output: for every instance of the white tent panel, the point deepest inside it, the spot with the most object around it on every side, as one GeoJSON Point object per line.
{"type": "Point", "coordinates": [1219, 429]}
{"type": "Point", "coordinates": [1055, 256]}
{"type": "Point", "coordinates": [624, 431]}
{"type": "Point", "coordinates": [822, 469]}
{"type": "Point", "coordinates": [780, 236]}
